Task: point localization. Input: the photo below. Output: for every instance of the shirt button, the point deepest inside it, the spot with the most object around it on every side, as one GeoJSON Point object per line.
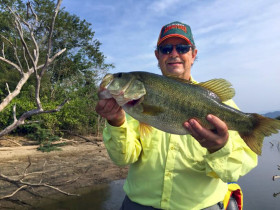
{"type": "Point", "coordinates": [172, 148]}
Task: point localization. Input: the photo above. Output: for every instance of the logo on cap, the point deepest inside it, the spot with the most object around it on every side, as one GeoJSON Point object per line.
{"type": "Point", "coordinates": [175, 26]}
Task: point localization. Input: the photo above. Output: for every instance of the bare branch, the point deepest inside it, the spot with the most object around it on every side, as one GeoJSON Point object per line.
{"type": "Point", "coordinates": [47, 60]}
{"type": "Point", "coordinates": [7, 40]}
{"type": "Point", "coordinates": [14, 112]}
{"type": "Point", "coordinates": [82, 137]}
{"type": "Point", "coordinates": [13, 193]}
{"type": "Point", "coordinates": [50, 36]}
{"type": "Point", "coordinates": [15, 52]}
{"type": "Point", "coordinates": [56, 55]}
{"type": "Point", "coordinates": [33, 13]}
{"type": "Point", "coordinates": [16, 55]}
{"type": "Point", "coordinates": [20, 32]}
{"type": "Point", "coordinates": [10, 140]}
{"type": "Point", "coordinates": [17, 90]}
{"type": "Point", "coordinates": [27, 64]}
{"type": "Point", "coordinates": [28, 114]}
{"type": "Point", "coordinates": [21, 184]}
{"type": "Point", "coordinates": [58, 107]}
{"type": "Point", "coordinates": [50, 186]}
{"type": "Point", "coordinates": [29, 184]}
{"type": "Point", "coordinates": [29, 164]}
{"type": "Point", "coordinates": [275, 177]}
{"type": "Point", "coordinates": [11, 63]}
{"type": "Point", "coordinates": [13, 94]}
{"type": "Point", "coordinates": [3, 50]}
{"type": "Point", "coordinates": [8, 89]}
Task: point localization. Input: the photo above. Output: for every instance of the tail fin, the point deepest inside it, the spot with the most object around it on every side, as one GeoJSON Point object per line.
{"type": "Point", "coordinates": [263, 127]}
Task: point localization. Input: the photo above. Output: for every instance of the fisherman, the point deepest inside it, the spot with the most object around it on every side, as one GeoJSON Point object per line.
{"type": "Point", "coordinates": [168, 171]}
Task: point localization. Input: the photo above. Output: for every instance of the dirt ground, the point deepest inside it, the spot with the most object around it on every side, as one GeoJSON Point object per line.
{"type": "Point", "coordinates": [80, 164]}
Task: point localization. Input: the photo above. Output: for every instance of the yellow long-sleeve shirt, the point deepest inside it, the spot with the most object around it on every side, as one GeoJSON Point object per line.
{"type": "Point", "coordinates": [170, 171]}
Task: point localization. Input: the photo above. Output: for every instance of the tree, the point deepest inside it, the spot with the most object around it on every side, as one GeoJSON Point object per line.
{"type": "Point", "coordinates": [31, 60]}
{"type": "Point", "coordinates": [35, 60]}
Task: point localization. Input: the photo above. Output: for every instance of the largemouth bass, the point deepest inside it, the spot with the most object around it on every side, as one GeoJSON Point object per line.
{"type": "Point", "coordinates": [166, 103]}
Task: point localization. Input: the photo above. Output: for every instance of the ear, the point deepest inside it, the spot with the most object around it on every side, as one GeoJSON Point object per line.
{"type": "Point", "coordinates": [194, 55]}
{"type": "Point", "coordinates": [156, 54]}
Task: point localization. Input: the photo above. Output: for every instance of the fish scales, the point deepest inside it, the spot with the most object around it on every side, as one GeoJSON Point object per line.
{"type": "Point", "coordinates": [181, 101]}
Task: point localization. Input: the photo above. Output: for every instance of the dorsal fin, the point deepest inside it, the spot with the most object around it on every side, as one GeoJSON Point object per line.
{"type": "Point", "coordinates": [221, 87]}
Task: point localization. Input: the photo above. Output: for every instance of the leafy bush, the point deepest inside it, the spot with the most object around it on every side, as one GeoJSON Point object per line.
{"type": "Point", "coordinates": [44, 137]}
{"type": "Point", "coordinates": [48, 147]}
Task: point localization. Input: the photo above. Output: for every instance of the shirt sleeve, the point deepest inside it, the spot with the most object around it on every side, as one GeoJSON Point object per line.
{"type": "Point", "coordinates": [122, 143]}
{"type": "Point", "coordinates": [234, 160]}
{"type": "Point", "coordinates": [231, 162]}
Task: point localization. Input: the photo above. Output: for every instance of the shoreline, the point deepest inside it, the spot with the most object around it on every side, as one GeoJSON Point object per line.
{"type": "Point", "coordinates": [80, 165]}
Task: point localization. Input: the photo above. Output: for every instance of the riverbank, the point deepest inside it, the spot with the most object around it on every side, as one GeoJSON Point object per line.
{"type": "Point", "coordinates": [77, 167]}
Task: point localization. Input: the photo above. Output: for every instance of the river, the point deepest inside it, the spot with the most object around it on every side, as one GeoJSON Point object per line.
{"type": "Point", "coordinates": [258, 187]}
{"type": "Point", "coordinates": [260, 191]}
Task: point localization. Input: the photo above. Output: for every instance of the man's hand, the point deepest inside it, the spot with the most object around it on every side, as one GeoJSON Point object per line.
{"type": "Point", "coordinates": [209, 139]}
{"type": "Point", "coordinates": [109, 109]}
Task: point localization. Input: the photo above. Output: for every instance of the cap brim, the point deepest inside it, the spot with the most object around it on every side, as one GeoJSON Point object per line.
{"type": "Point", "coordinates": [174, 35]}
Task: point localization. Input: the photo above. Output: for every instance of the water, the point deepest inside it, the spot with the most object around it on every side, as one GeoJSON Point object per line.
{"type": "Point", "coordinates": [102, 197]}
{"type": "Point", "coordinates": [257, 186]}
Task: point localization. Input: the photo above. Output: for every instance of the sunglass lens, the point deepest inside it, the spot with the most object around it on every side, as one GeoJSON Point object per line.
{"type": "Point", "coordinates": [166, 49]}
{"type": "Point", "coordinates": [182, 48]}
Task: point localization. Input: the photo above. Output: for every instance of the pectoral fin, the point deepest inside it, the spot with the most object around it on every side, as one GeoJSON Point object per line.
{"type": "Point", "coordinates": [151, 110]}
{"type": "Point", "coordinates": [145, 129]}
{"type": "Point", "coordinates": [213, 174]}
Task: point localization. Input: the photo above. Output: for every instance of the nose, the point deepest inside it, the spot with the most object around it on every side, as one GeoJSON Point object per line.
{"type": "Point", "coordinates": [174, 52]}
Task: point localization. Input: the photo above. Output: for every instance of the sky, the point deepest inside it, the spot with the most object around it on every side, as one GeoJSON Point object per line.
{"type": "Point", "coordinates": [238, 40]}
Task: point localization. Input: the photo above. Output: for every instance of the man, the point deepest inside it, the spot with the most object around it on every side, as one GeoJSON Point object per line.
{"type": "Point", "coordinates": [170, 171]}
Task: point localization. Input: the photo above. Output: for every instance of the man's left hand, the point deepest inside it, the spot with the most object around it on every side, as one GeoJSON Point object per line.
{"type": "Point", "coordinates": [212, 140]}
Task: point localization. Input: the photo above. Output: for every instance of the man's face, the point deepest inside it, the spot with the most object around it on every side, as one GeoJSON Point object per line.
{"type": "Point", "coordinates": [176, 64]}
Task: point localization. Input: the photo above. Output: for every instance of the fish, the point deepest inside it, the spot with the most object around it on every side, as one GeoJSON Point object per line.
{"type": "Point", "coordinates": [166, 102]}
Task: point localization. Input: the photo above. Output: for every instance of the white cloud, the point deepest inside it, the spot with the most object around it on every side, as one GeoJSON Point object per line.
{"type": "Point", "coordinates": [162, 5]}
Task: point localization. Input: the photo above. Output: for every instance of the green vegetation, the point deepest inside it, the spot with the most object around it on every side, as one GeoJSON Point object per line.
{"type": "Point", "coordinates": [72, 76]}
{"type": "Point", "coordinates": [44, 137]}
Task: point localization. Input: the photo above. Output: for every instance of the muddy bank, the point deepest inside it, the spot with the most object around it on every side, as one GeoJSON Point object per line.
{"type": "Point", "coordinates": [75, 169]}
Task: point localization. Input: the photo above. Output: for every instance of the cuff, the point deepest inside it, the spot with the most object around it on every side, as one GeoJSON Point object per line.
{"type": "Point", "coordinates": [120, 132]}
{"type": "Point", "coordinates": [216, 162]}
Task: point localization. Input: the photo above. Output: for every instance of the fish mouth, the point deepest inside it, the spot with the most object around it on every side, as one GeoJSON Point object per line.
{"type": "Point", "coordinates": [134, 102]}
{"type": "Point", "coordinates": [127, 94]}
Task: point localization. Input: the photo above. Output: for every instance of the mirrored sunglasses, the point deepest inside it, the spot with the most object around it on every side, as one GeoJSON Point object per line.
{"type": "Point", "coordinates": [180, 48]}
